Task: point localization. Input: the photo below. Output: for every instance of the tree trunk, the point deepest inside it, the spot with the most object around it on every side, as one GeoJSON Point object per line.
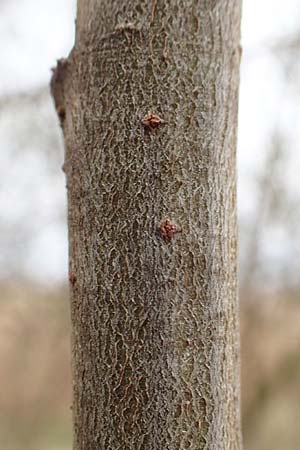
{"type": "Point", "coordinates": [148, 104]}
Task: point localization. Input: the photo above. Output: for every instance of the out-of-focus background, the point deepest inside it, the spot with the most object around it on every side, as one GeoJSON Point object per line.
{"type": "Point", "coordinates": [35, 395]}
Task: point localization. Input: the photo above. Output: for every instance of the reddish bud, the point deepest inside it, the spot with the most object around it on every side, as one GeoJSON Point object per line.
{"type": "Point", "coordinates": [168, 229]}
{"type": "Point", "coordinates": [151, 121]}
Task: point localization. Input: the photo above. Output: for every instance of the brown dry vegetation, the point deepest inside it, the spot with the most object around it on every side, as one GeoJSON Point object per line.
{"type": "Point", "coordinates": [270, 371]}
{"type": "Point", "coordinates": [35, 370]}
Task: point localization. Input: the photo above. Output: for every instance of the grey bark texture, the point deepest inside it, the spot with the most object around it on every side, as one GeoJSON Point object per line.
{"type": "Point", "coordinates": [152, 223]}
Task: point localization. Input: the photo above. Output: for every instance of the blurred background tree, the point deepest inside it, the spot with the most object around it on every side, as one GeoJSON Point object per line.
{"type": "Point", "coordinates": [34, 325]}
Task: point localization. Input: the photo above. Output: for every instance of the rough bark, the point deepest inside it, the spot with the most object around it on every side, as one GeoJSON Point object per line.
{"type": "Point", "coordinates": [152, 223]}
